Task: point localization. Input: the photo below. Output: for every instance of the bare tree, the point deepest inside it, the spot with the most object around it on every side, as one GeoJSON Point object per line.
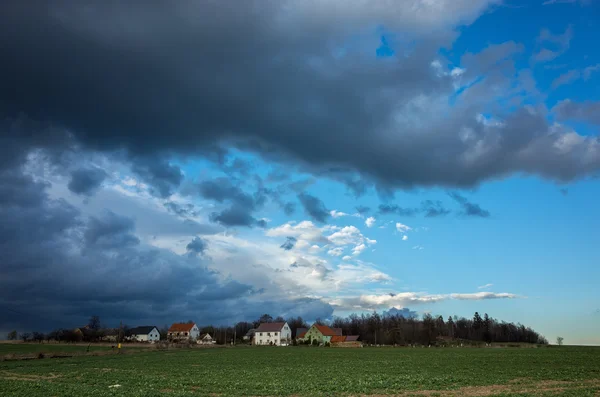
{"type": "Point", "coordinates": [559, 340]}
{"type": "Point", "coordinates": [25, 336]}
{"type": "Point", "coordinates": [12, 335]}
{"type": "Point", "coordinates": [94, 323]}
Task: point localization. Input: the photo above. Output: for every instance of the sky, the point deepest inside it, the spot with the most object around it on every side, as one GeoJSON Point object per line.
{"type": "Point", "coordinates": [215, 161]}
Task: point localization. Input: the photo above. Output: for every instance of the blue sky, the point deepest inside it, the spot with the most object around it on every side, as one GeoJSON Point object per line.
{"type": "Point", "coordinates": [467, 131]}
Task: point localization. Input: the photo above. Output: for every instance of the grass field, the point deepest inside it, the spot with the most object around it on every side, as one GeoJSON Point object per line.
{"type": "Point", "coordinates": [565, 371]}
{"type": "Point", "coordinates": [33, 348]}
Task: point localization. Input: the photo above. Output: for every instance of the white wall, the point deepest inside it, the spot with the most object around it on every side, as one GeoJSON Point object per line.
{"type": "Point", "coordinates": [276, 338]}
{"type": "Point", "coordinates": [153, 336]}
{"type": "Point", "coordinates": [194, 332]}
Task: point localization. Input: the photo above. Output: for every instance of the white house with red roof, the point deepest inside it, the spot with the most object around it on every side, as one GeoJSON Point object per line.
{"type": "Point", "coordinates": [180, 331]}
{"type": "Point", "coordinates": [273, 334]}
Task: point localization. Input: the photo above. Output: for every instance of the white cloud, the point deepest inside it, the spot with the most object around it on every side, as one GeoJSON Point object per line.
{"type": "Point", "coordinates": [485, 286]}
{"type": "Point", "coordinates": [339, 251]}
{"type": "Point", "coordinates": [358, 249]}
{"type": "Point", "coordinates": [404, 238]}
{"type": "Point", "coordinates": [402, 228]}
{"type": "Point", "coordinates": [418, 247]}
{"type": "Point", "coordinates": [305, 230]}
{"type": "Point", "coordinates": [403, 299]}
{"type": "Point", "coordinates": [346, 235]}
{"type": "Point", "coordinates": [337, 214]}
{"type": "Point", "coordinates": [347, 258]}
{"type": "Point", "coordinates": [370, 222]}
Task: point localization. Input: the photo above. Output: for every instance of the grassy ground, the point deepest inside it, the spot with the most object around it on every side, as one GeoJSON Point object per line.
{"type": "Point", "coordinates": [565, 371]}
{"type": "Point", "coordinates": [34, 348]}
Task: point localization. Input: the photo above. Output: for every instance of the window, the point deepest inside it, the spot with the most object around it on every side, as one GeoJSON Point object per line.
{"type": "Point", "coordinates": [260, 334]}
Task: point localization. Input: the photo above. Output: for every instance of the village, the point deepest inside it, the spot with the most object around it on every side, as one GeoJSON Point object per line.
{"type": "Point", "coordinates": [266, 334]}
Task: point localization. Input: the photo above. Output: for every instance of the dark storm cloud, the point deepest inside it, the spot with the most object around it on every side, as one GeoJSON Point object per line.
{"type": "Point", "coordinates": [289, 243]}
{"type": "Point", "coordinates": [386, 209]}
{"type": "Point", "coordinates": [60, 267]}
{"type": "Point", "coordinates": [277, 89]}
{"type": "Point", "coordinates": [110, 231]}
{"type": "Point", "coordinates": [314, 207]}
{"type": "Point", "coordinates": [469, 208]}
{"type": "Point", "coordinates": [164, 177]}
{"type": "Point", "coordinates": [242, 204]}
{"type": "Point", "coordinates": [186, 210]}
{"type": "Point", "coordinates": [234, 216]}
{"type": "Point", "coordinates": [86, 180]}
{"type": "Point", "coordinates": [196, 246]}
{"type": "Point", "coordinates": [588, 112]}
{"type": "Point", "coordinates": [222, 190]}
{"type": "Point", "coordinates": [434, 209]}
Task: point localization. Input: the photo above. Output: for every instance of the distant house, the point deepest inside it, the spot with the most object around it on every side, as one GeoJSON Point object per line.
{"type": "Point", "coordinates": [320, 333]}
{"type": "Point", "coordinates": [206, 339]}
{"type": "Point", "coordinates": [183, 331]}
{"type": "Point", "coordinates": [249, 335]}
{"type": "Point", "coordinates": [338, 331]}
{"type": "Point", "coordinates": [145, 333]}
{"type": "Point", "coordinates": [276, 334]}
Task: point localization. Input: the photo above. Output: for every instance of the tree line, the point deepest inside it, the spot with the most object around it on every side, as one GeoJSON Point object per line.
{"type": "Point", "coordinates": [373, 328]}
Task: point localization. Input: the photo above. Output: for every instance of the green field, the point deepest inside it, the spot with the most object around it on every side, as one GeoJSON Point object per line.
{"type": "Point", "coordinates": [304, 371]}
{"type": "Point", "coordinates": [32, 348]}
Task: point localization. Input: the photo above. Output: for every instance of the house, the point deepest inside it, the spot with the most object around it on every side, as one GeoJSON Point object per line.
{"type": "Point", "coordinates": [206, 339]}
{"type": "Point", "coordinates": [320, 333]}
{"type": "Point", "coordinates": [338, 331]}
{"type": "Point", "coordinates": [145, 333]}
{"type": "Point", "coordinates": [276, 334]}
{"type": "Point", "coordinates": [249, 335]}
{"type": "Point", "coordinates": [345, 341]}
{"type": "Point", "coordinates": [183, 331]}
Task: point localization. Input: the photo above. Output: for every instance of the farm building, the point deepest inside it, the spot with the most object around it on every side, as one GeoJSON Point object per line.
{"type": "Point", "coordinates": [145, 333]}
{"type": "Point", "coordinates": [320, 333]}
{"type": "Point", "coordinates": [276, 334]}
{"type": "Point", "coordinates": [249, 335]}
{"type": "Point", "coordinates": [182, 331]}
{"type": "Point", "coordinates": [325, 334]}
{"type": "Point", "coordinates": [206, 339]}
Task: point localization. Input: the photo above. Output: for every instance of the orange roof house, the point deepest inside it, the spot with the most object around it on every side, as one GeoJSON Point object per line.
{"type": "Point", "coordinates": [319, 333]}
{"type": "Point", "coordinates": [179, 331]}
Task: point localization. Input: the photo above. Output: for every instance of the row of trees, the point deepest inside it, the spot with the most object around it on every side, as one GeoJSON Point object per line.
{"type": "Point", "coordinates": [372, 328]}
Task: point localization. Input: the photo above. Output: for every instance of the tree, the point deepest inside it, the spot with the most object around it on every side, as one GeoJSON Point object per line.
{"type": "Point", "coordinates": [559, 340]}
{"type": "Point", "coordinates": [25, 336]}
{"type": "Point", "coordinates": [37, 336]}
{"type": "Point", "coordinates": [450, 324]}
{"type": "Point", "coordinates": [487, 335]}
{"type": "Point", "coordinates": [12, 335]}
{"type": "Point", "coordinates": [94, 323]}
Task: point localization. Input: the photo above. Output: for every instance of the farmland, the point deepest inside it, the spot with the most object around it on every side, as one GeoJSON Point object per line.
{"type": "Point", "coordinates": [304, 371]}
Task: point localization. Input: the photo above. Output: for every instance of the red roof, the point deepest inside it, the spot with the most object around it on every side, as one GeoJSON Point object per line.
{"type": "Point", "coordinates": [301, 335]}
{"type": "Point", "coordinates": [338, 338]}
{"type": "Point", "coordinates": [325, 330]}
{"type": "Point", "coordinates": [351, 338]}
{"type": "Point", "coordinates": [181, 327]}
{"type": "Point", "coordinates": [270, 327]}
